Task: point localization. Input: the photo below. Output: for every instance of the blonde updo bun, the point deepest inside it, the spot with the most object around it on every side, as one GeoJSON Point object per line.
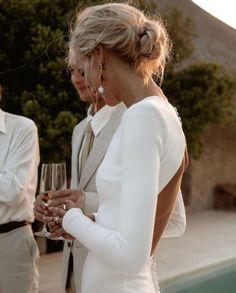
{"type": "Point", "coordinates": [125, 30]}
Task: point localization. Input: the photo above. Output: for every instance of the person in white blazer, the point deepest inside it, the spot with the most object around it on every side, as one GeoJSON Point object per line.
{"type": "Point", "coordinates": [105, 130]}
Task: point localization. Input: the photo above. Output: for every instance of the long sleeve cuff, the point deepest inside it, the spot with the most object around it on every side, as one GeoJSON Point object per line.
{"type": "Point", "coordinates": [75, 223]}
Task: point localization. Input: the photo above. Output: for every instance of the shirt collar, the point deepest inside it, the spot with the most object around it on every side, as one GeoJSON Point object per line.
{"type": "Point", "coordinates": [2, 122]}
{"type": "Point", "coordinates": [100, 118]}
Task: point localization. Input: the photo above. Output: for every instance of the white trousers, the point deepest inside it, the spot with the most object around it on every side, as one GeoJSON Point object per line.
{"type": "Point", "coordinates": [19, 261]}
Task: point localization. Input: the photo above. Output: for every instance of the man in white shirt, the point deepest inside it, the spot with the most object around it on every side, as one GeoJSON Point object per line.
{"type": "Point", "coordinates": [104, 124]}
{"type": "Point", "coordinates": [19, 159]}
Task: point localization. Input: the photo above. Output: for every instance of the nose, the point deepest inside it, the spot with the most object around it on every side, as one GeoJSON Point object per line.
{"type": "Point", "coordinates": [76, 77]}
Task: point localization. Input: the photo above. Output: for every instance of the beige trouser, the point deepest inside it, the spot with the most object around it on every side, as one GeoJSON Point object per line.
{"type": "Point", "coordinates": [72, 288]}
{"type": "Point", "coordinates": [18, 261]}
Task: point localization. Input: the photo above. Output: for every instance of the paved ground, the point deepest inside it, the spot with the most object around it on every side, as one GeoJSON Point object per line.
{"type": "Point", "coordinates": [50, 273]}
{"type": "Point", "coordinates": [209, 240]}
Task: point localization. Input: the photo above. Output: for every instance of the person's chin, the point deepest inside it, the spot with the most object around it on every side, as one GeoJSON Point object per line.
{"type": "Point", "coordinates": [85, 98]}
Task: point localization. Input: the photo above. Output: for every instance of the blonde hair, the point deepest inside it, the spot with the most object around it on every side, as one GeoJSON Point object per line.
{"type": "Point", "coordinates": [126, 31]}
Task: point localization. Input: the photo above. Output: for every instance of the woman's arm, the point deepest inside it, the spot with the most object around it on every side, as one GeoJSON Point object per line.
{"type": "Point", "coordinates": [129, 246]}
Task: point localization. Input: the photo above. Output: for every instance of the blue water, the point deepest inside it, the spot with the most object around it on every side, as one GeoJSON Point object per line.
{"type": "Point", "coordinates": [220, 280]}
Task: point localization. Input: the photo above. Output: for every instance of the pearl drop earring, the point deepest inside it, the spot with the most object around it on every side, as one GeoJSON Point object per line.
{"type": "Point", "coordinates": [101, 88]}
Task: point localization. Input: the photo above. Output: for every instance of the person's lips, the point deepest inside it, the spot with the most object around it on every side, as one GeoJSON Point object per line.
{"type": "Point", "coordinates": [81, 88]}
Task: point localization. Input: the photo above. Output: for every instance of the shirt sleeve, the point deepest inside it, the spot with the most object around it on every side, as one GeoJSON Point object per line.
{"type": "Point", "coordinates": [129, 246]}
{"type": "Point", "coordinates": [20, 166]}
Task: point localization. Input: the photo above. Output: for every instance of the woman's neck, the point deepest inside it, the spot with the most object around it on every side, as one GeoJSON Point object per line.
{"type": "Point", "coordinates": [99, 105]}
{"type": "Point", "coordinates": [136, 90]}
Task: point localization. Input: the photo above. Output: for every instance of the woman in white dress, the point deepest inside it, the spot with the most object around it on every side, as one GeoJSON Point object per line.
{"type": "Point", "coordinates": [119, 49]}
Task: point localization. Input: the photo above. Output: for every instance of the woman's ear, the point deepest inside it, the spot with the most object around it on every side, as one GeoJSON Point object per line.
{"type": "Point", "coordinates": [99, 51]}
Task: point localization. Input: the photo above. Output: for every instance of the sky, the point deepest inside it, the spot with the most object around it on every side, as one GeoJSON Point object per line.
{"type": "Point", "coordinates": [225, 10]}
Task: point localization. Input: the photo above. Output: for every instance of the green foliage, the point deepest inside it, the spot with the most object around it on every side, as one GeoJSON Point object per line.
{"type": "Point", "coordinates": [33, 73]}
{"type": "Point", "coordinates": [33, 44]}
{"type": "Point", "coordinates": [203, 95]}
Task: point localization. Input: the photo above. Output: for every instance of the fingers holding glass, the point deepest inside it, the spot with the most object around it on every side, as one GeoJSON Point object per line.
{"type": "Point", "coordinates": [53, 178]}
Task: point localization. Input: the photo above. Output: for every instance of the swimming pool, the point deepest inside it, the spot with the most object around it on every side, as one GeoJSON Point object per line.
{"type": "Point", "coordinates": [215, 280]}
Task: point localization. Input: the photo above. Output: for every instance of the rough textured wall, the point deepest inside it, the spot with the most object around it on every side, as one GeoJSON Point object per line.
{"type": "Point", "coordinates": [216, 165]}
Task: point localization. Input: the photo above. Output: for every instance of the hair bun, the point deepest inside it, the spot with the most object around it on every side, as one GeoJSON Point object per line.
{"type": "Point", "coordinates": [125, 30]}
{"type": "Point", "coordinates": [152, 39]}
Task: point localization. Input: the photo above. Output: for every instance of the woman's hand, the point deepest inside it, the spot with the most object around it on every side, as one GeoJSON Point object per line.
{"type": "Point", "coordinates": [55, 225]}
{"type": "Point", "coordinates": [73, 198]}
{"type": "Point", "coordinates": [62, 196]}
{"type": "Point", "coordinates": [41, 212]}
{"type": "Point", "coordinates": [58, 212]}
{"type": "Point", "coordinates": [56, 231]}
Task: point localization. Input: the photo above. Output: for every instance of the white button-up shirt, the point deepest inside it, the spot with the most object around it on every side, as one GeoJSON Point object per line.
{"type": "Point", "coordinates": [99, 120]}
{"type": "Point", "coordinates": [19, 159]}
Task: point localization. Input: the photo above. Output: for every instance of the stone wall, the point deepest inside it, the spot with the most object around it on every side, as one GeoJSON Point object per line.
{"type": "Point", "coordinates": [217, 165]}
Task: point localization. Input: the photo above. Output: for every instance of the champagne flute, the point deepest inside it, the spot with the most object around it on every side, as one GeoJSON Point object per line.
{"type": "Point", "coordinates": [53, 177]}
{"type": "Point", "coordinates": [59, 183]}
{"type": "Point", "coordinates": [46, 187]}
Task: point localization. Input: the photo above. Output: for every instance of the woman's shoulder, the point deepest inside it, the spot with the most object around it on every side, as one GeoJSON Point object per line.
{"type": "Point", "coordinates": [152, 107]}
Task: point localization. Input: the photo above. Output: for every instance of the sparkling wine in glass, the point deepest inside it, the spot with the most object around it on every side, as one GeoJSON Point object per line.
{"type": "Point", "coordinates": [59, 183]}
{"type": "Point", "coordinates": [46, 186]}
{"type": "Point", "coordinates": [45, 197]}
{"type": "Point", "coordinates": [53, 177]}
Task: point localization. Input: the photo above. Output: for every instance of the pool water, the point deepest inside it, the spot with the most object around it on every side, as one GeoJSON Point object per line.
{"type": "Point", "coordinates": [216, 280]}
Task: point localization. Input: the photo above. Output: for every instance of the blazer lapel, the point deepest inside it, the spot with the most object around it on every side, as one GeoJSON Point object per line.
{"type": "Point", "coordinates": [76, 145]}
{"type": "Point", "coordinates": [100, 145]}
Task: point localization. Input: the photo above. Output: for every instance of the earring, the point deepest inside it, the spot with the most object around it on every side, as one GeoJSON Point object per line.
{"type": "Point", "coordinates": [101, 88]}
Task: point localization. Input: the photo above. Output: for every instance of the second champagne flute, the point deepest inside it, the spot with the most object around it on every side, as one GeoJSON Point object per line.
{"type": "Point", "coordinates": [46, 187]}
{"type": "Point", "coordinates": [59, 180]}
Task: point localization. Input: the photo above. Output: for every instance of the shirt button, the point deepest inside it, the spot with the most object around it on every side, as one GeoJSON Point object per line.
{"type": "Point", "coordinates": [69, 244]}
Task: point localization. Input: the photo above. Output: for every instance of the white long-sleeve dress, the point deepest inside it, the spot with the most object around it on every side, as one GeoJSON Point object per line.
{"type": "Point", "coordinates": [144, 155]}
